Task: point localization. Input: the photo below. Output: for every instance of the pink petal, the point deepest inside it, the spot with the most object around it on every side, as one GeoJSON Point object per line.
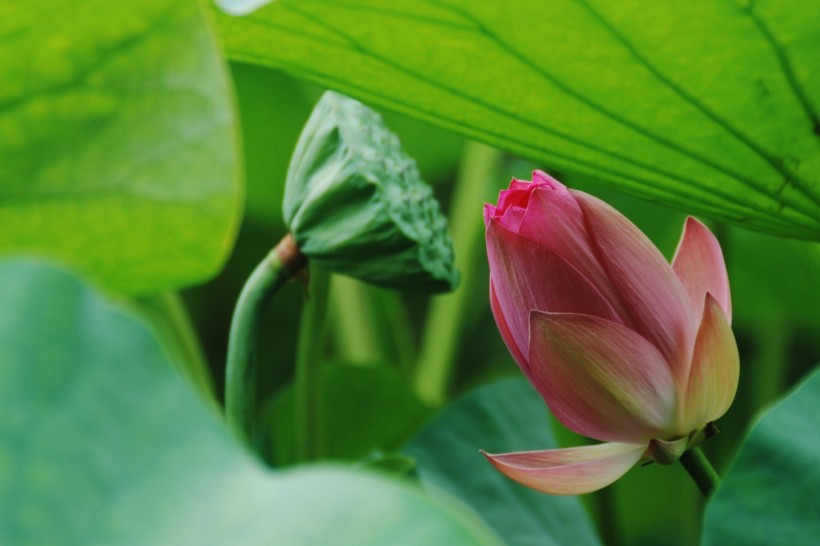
{"type": "Point", "coordinates": [554, 220]}
{"type": "Point", "coordinates": [517, 195]}
{"type": "Point", "coordinates": [506, 333]}
{"type": "Point", "coordinates": [601, 379]}
{"type": "Point", "coordinates": [518, 185]}
{"type": "Point", "coordinates": [649, 290]}
{"type": "Point", "coordinates": [527, 276]}
{"type": "Point", "coordinates": [571, 471]}
{"type": "Point", "coordinates": [489, 212]}
{"type": "Point", "coordinates": [700, 267]}
{"type": "Point", "coordinates": [543, 179]}
{"type": "Point", "coordinates": [715, 370]}
{"type": "Point", "coordinates": [512, 218]}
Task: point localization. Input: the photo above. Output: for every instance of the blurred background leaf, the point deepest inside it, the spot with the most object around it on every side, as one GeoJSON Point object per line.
{"type": "Point", "coordinates": [498, 418]}
{"type": "Point", "coordinates": [102, 443]}
{"type": "Point", "coordinates": [272, 108]}
{"type": "Point", "coordinates": [117, 146]}
{"type": "Point", "coordinates": [707, 106]}
{"type": "Point", "coordinates": [363, 411]}
{"type": "Point", "coordinates": [769, 495]}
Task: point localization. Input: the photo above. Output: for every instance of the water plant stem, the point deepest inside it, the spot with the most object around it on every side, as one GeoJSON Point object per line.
{"type": "Point", "coordinates": [356, 322]}
{"type": "Point", "coordinates": [369, 325]}
{"type": "Point", "coordinates": [307, 379]}
{"type": "Point", "coordinates": [701, 470]}
{"type": "Point", "coordinates": [477, 179]}
{"type": "Point", "coordinates": [282, 263]}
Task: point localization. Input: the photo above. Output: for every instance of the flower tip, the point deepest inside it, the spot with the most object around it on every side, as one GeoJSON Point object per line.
{"type": "Point", "coordinates": [489, 213]}
{"type": "Point", "coordinates": [701, 268]}
{"type": "Point", "coordinates": [543, 179]}
{"type": "Point", "coordinates": [692, 222]}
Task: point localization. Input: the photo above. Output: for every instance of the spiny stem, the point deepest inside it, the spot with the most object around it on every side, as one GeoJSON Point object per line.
{"type": "Point", "coordinates": [701, 470]}
{"type": "Point", "coordinates": [282, 263]}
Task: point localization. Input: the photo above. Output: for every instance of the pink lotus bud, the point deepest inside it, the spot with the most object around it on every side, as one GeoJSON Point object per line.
{"type": "Point", "coordinates": [624, 347]}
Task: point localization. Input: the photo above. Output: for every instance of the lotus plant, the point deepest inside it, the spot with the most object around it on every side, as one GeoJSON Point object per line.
{"type": "Point", "coordinates": [623, 347]}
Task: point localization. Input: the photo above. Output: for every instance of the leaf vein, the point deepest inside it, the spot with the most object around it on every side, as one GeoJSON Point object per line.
{"type": "Point", "coordinates": [521, 119]}
{"type": "Point", "coordinates": [732, 209]}
{"type": "Point", "coordinates": [774, 161]}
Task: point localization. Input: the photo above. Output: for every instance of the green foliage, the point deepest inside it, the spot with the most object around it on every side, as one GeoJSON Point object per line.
{"type": "Point", "coordinates": [102, 443]}
{"type": "Point", "coordinates": [363, 411]}
{"type": "Point", "coordinates": [117, 145]}
{"type": "Point", "coordinates": [769, 495]}
{"type": "Point", "coordinates": [119, 156]}
{"type": "Point", "coordinates": [273, 108]}
{"type": "Point", "coordinates": [501, 417]}
{"type": "Point", "coordinates": [707, 106]}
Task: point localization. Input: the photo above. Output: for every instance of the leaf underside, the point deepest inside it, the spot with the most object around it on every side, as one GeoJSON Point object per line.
{"type": "Point", "coordinates": [102, 443]}
{"type": "Point", "coordinates": [117, 152]}
{"type": "Point", "coordinates": [706, 106]}
{"type": "Point", "coordinates": [769, 495]}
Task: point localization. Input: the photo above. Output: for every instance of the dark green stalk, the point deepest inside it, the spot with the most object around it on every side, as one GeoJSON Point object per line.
{"type": "Point", "coordinates": [282, 263]}
{"type": "Point", "coordinates": [307, 379]}
{"type": "Point", "coordinates": [701, 470]}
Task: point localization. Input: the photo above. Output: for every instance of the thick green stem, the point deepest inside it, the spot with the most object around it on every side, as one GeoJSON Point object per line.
{"type": "Point", "coordinates": [167, 312]}
{"type": "Point", "coordinates": [701, 470]}
{"type": "Point", "coordinates": [241, 371]}
{"type": "Point", "coordinates": [307, 379]}
{"type": "Point", "coordinates": [369, 324]}
{"type": "Point", "coordinates": [446, 319]}
{"type": "Point", "coordinates": [356, 322]}
{"type": "Point", "coordinates": [399, 330]}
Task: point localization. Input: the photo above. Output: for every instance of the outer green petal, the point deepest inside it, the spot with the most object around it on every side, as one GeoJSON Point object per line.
{"type": "Point", "coordinates": [715, 370]}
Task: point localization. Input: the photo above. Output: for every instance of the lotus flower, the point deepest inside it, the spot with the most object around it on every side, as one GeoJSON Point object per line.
{"type": "Point", "coordinates": [623, 347]}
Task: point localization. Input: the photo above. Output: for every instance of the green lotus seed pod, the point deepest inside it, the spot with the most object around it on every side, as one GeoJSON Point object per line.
{"type": "Point", "coordinates": [356, 204]}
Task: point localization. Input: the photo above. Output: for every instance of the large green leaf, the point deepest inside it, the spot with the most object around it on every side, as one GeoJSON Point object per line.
{"type": "Point", "coordinates": [705, 105]}
{"type": "Point", "coordinates": [769, 495]}
{"type": "Point", "coordinates": [502, 417]}
{"type": "Point", "coordinates": [117, 152]}
{"type": "Point", "coordinates": [102, 443]}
